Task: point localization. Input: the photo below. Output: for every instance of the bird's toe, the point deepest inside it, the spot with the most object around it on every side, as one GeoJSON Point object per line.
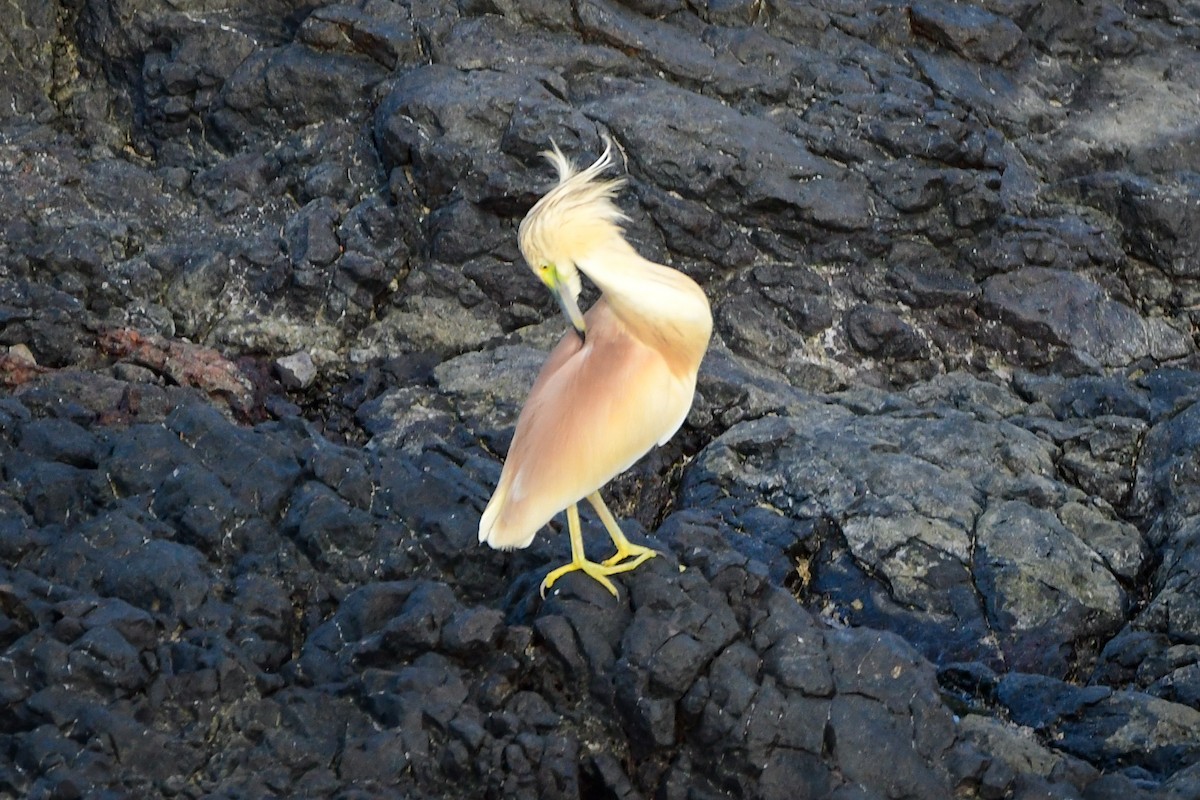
{"type": "Point", "coordinates": [637, 553]}
{"type": "Point", "coordinates": [597, 572]}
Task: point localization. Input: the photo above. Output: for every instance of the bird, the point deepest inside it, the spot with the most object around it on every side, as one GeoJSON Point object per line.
{"type": "Point", "coordinates": [620, 381]}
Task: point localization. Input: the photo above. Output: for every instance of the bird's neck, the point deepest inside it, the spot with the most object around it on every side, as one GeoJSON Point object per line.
{"type": "Point", "coordinates": [661, 306]}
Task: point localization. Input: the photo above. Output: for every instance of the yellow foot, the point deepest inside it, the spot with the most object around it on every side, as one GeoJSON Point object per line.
{"type": "Point", "coordinates": [628, 549]}
{"type": "Point", "coordinates": [598, 571]}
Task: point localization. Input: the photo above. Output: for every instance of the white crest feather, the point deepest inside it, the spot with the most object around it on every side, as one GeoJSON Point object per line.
{"type": "Point", "coordinates": [578, 211]}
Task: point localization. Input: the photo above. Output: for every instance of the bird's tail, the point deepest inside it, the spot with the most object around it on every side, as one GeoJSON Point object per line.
{"type": "Point", "coordinates": [494, 528]}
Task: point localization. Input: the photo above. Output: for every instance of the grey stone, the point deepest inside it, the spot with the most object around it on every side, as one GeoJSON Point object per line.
{"type": "Point", "coordinates": [1068, 310]}
{"type": "Point", "coordinates": [1104, 727]}
{"type": "Point", "coordinates": [975, 33]}
{"type": "Point", "coordinates": [296, 371]}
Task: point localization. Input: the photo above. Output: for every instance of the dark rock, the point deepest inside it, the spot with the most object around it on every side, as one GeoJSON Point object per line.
{"type": "Point", "coordinates": [818, 193]}
{"type": "Point", "coordinates": [53, 493]}
{"type": "Point", "coordinates": [772, 312]}
{"type": "Point", "coordinates": [1170, 391]}
{"type": "Point", "coordinates": [26, 87]}
{"type": "Point", "coordinates": [1181, 685]}
{"type": "Point", "coordinates": [468, 107]}
{"type": "Point", "coordinates": [1064, 561]}
{"type": "Point", "coordinates": [50, 324]}
{"type": "Point", "coordinates": [883, 334]}
{"type": "Point", "coordinates": [974, 33]}
{"type": "Point", "coordinates": [59, 440]}
{"type": "Point", "coordinates": [318, 518]}
{"type": "Point", "coordinates": [890, 537]}
{"type": "Point", "coordinates": [289, 87]}
{"type": "Point", "coordinates": [1106, 728]}
{"type": "Point", "coordinates": [158, 574]}
{"type": "Point", "coordinates": [1159, 226]}
{"type": "Point", "coordinates": [1068, 310]}
{"type": "Point", "coordinates": [1087, 397]}
{"type": "Point", "coordinates": [310, 237]}
{"type": "Point", "coordinates": [381, 30]}
{"type": "Point", "coordinates": [472, 632]}
{"type": "Point", "coordinates": [1163, 491]}
{"type": "Point", "coordinates": [342, 470]}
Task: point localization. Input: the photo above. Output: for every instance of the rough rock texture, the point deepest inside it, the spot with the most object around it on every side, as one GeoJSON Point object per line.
{"type": "Point", "coordinates": [932, 528]}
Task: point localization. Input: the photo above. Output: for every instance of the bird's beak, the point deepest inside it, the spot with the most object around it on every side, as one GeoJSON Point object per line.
{"type": "Point", "coordinates": [564, 293]}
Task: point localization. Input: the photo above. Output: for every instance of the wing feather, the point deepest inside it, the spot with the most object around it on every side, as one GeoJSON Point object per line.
{"type": "Point", "coordinates": [595, 409]}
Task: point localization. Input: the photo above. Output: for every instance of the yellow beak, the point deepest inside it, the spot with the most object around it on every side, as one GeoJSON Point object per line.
{"type": "Point", "coordinates": [561, 289]}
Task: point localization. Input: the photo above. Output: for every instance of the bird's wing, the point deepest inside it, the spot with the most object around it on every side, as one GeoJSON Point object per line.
{"type": "Point", "coordinates": [595, 409]}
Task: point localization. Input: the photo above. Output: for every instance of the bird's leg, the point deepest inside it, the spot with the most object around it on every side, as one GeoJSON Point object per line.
{"type": "Point", "coordinates": [625, 548]}
{"type": "Point", "coordinates": [580, 563]}
{"type": "Point", "coordinates": [578, 559]}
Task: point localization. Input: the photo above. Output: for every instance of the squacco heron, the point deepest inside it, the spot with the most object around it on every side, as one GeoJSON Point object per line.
{"type": "Point", "coordinates": [618, 384]}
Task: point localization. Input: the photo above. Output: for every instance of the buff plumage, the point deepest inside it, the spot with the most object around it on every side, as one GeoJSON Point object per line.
{"type": "Point", "coordinates": [617, 385]}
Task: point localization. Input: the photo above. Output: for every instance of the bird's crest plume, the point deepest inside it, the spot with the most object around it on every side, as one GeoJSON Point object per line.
{"type": "Point", "coordinates": [576, 214]}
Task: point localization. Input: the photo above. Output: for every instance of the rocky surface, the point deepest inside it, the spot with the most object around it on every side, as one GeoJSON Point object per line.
{"type": "Point", "coordinates": [930, 529]}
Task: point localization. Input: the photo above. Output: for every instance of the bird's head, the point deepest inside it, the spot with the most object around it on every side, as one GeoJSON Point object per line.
{"type": "Point", "coordinates": [572, 220]}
